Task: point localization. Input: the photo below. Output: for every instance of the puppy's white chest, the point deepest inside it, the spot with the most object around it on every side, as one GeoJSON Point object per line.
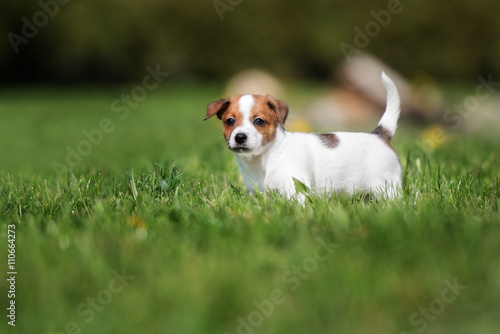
{"type": "Point", "coordinates": [253, 174]}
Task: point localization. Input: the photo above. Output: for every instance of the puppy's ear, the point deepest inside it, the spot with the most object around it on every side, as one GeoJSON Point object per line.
{"type": "Point", "coordinates": [279, 107]}
{"type": "Point", "coordinates": [217, 108]}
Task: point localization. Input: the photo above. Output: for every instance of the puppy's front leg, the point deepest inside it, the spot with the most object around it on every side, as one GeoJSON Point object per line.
{"type": "Point", "coordinates": [286, 186]}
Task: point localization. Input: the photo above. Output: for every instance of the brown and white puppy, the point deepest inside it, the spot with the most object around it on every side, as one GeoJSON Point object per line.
{"type": "Point", "coordinates": [270, 157]}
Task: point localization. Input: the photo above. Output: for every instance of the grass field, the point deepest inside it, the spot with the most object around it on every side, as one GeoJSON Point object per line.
{"type": "Point", "coordinates": [152, 231]}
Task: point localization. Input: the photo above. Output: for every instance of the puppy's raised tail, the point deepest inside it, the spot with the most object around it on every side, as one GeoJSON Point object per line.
{"type": "Point", "coordinates": [389, 122]}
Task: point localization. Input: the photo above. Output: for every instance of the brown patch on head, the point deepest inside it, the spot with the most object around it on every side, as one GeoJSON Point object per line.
{"type": "Point", "coordinates": [330, 140]}
{"type": "Point", "coordinates": [217, 108]}
{"type": "Point", "coordinates": [383, 133]}
{"type": "Point", "coordinates": [264, 110]}
{"type": "Point", "coordinates": [272, 112]}
{"type": "Point", "coordinates": [279, 107]}
{"type": "Point", "coordinates": [226, 109]}
{"type": "Point", "coordinates": [232, 117]}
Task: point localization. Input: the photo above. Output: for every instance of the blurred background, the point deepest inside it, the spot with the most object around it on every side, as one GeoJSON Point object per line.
{"type": "Point", "coordinates": [97, 96]}
{"type": "Point", "coordinates": [323, 57]}
{"type": "Point", "coordinates": [112, 41]}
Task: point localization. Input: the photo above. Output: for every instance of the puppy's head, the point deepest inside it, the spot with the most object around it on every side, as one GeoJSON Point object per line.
{"type": "Point", "coordinates": [250, 121]}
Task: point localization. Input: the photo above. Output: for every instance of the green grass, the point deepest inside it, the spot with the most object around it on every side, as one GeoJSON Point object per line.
{"type": "Point", "coordinates": [161, 198]}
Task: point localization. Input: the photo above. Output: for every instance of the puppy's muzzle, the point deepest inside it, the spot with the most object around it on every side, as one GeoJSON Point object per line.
{"type": "Point", "coordinates": [240, 138]}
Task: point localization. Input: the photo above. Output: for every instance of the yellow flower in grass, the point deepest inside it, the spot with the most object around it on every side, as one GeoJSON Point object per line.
{"type": "Point", "coordinates": [299, 124]}
{"type": "Point", "coordinates": [433, 137]}
{"type": "Point", "coordinates": [140, 225]}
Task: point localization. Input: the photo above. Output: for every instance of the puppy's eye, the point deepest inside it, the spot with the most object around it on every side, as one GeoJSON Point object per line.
{"type": "Point", "coordinates": [230, 121]}
{"type": "Point", "coordinates": [259, 122]}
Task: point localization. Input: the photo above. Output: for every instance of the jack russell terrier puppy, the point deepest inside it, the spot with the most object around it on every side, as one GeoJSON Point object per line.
{"type": "Point", "coordinates": [270, 158]}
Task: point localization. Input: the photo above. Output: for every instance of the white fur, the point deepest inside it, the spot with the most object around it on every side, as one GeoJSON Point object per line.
{"type": "Point", "coordinates": [390, 118]}
{"type": "Point", "coordinates": [245, 105]}
{"type": "Point", "coordinates": [360, 162]}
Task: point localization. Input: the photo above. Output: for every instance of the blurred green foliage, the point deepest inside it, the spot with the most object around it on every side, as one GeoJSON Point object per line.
{"type": "Point", "coordinates": [113, 40]}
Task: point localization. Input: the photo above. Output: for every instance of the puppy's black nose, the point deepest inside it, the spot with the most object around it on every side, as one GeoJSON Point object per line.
{"type": "Point", "coordinates": [240, 138]}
